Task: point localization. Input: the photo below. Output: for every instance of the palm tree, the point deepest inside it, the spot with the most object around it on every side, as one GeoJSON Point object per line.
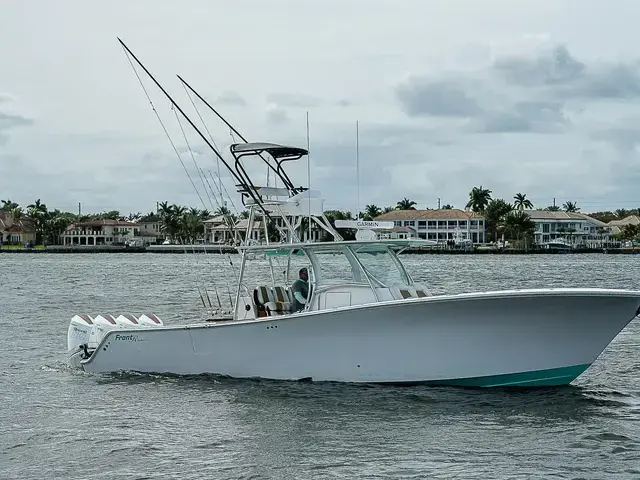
{"type": "Point", "coordinates": [622, 213]}
{"type": "Point", "coordinates": [494, 215]}
{"type": "Point", "coordinates": [571, 207]}
{"type": "Point", "coordinates": [518, 225]}
{"type": "Point", "coordinates": [630, 231]}
{"type": "Point", "coordinates": [521, 201]}
{"type": "Point", "coordinates": [332, 216]}
{"type": "Point", "coordinates": [8, 205]}
{"type": "Point", "coordinates": [387, 209]}
{"type": "Point", "coordinates": [447, 207]}
{"type": "Point", "coordinates": [55, 224]}
{"type": "Point", "coordinates": [223, 211]}
{"type": "Point", "coordinates": [406, 204]}
{"type": "Point", "coordinates": [372, 211]}
{"type": "Point", "coordinates": [478, 199]}
{"type": "Point", "coordinates": [37, 211]}
{"type": "Point", "coordinates": [16, 213]}
{"type": "Point", "coordinates": [552, 208]}
{"type": "Point", "coordinates": [111, 215]}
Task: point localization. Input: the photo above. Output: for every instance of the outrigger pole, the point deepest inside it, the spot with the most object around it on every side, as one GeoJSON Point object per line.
{"type": "Point", "coordinates": [279, 171]}
{"type": "Point", "coordinates": [240, 181]}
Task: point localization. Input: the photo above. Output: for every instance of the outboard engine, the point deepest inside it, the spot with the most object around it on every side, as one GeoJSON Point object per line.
{"type": "Point", "coordinates": [82, 331]}
{"type": "Point", "coordinates": [127, 320]}
{"type": "Point", "coordinates": [150, 320]}
{"type": "Point", "coordinates": [103, 324]}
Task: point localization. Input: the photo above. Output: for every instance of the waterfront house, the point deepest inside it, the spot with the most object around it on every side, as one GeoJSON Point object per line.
{"type": "Point", "coordinates": [16, 231]}
{"type": "Point", "coordinates": [576, 228]}
{"type": "Point", "coordinates": [218, 231]}
{"type": "Point", "coordinates": [400, 233]}
{"type": "Point", "coordinates": [100, 232]}
{"type": "Point", "coordinates": [616, 226]}
{"type": "Point", "coordinates": [150, 230]}
{"type": "Point", "coordinates": [439, 225]}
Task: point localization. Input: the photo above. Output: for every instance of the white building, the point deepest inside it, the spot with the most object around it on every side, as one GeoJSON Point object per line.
{"type": "Point", "coordinates": [576, 228]}
{"type": "Point", "coordinates": [100, 232]}
{"type": "Point", "coordinates": [217, 230]}
{"type": "Point", "coordinates": [439, 225]}
{"type": "Point", "coordinates": [151, 232]}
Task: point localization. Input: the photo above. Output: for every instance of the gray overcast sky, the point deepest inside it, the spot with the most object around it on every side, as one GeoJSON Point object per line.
{"type": "Point", "coordinates": [540, 97]}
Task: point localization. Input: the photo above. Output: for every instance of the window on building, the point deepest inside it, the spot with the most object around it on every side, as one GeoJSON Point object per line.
{"type": "Point", "coordinates": [432, 224]}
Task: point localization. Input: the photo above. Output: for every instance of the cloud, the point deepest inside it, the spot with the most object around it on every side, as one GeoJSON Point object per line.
{"type": "Point", "coordinates": [232, 99]}
{"type": "Point", "coordinates": [553, 67]}
{"type": "Point", "coordinates": [625, 139]}
{"type": "Point", "coordinates": [422, 96]}
{"type": "Point", "coordinates": [6, 97]}
{"type": "Point", "coordinates": [294, 100]}
{"type": "Point", "coordinates": [541, 92]}
{"type": "Point", "coordinates": [546, 119]}
{"type": "Point", "coordinates": [564, 76]}
{"type": "Point", "coordinates": [522, 117]}
{"type": "Point", "coordinates": [276, 114]}
{"type": "Point", "coordinates": [301, 100]}
{"type": "Point", "coordinates": [99, 170]}
{"type": "Point", "coordinates": [9, 121]}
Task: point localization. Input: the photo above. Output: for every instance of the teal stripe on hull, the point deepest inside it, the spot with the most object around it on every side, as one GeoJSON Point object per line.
{"type": "Point", "coordinates": [552, 377]}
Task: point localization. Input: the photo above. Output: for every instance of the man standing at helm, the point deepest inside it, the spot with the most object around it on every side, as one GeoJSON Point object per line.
{"type": "Point", "coordinates": [300, 290]}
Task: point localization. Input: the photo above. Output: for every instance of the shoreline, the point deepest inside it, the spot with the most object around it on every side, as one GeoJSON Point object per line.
{"type": "Point", "coordinates": [219, 249]}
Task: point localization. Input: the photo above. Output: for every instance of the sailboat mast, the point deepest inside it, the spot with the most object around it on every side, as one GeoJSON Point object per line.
{"type": "Point", "coordinates": [358, 168]}
{"type": "Point", "coordinates": [308, 178]}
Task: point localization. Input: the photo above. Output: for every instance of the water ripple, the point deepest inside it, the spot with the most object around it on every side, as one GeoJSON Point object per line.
{"type": "Point", "coordinates": [57, 422]}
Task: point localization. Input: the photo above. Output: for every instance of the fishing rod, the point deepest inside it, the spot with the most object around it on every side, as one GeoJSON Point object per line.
{"type": "Point", "coordinates": [281, 173]}
{"type": "Point", "coordinates": [258, 201]}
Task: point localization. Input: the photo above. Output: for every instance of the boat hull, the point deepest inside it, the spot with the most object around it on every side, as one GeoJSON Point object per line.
{"type": "Point", "coordinates": [530, 338]}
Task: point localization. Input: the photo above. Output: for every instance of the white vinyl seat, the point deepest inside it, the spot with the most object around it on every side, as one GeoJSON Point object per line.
{"type": "Point", "coordinates": [271, 301]}
{"type": "Point", "coordinates": [411, 291]}
{"type": "Point", "coordinates": [421, 291]}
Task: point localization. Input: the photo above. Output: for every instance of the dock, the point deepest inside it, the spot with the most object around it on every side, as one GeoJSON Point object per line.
{"type": "Point", "coordinates": [200, 248]}
{"type": "Point", "coordinates": [226, 249]}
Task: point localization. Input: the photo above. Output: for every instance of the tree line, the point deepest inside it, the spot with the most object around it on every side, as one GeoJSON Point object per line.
{"type": "Point", "coordinates": [185, 224]}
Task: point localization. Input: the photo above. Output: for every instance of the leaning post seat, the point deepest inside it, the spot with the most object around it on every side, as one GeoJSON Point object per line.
{"type": "Point", "coordinates": [412, 291]}
{"type": "Point", "coordinates": [272, 300]}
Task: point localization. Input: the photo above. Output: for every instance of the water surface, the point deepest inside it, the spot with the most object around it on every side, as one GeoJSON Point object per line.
{"type": "Point", "coordinates": [59, 423]}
